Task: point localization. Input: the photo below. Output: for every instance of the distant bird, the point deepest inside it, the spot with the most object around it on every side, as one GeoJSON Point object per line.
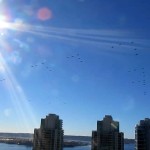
{"type": "Point", "coordinates": [112, 47]}
{"type": "Point", "coordinates": [77, 56]}
{"type": "Point", "coordinates": [136, 54]}
{"type": "Point", "coordinates": [2, 80]}
{"type": "Point", "coordinates": [135, 49]}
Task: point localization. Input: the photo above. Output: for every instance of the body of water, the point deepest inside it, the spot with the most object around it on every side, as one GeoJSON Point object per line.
{"type": "Point", "coordinates": [13, 147]}
{"type": "Point", "coordinates": [21, 147]}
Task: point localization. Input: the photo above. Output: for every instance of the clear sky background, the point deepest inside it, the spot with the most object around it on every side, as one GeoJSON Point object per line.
{"type": "Point", "coordinates": [79, 59]}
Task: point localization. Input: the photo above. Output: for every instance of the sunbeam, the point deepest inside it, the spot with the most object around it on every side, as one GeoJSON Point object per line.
{"type": "Point", "coordinates": [18, 99]}
{"type": "Point", "coordinates": [94, 37]}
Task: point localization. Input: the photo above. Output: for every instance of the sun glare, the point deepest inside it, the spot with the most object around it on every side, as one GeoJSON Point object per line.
{"type": "Point", "coordinates": [3, 23]}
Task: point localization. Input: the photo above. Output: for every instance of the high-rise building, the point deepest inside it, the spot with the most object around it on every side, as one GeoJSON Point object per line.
{"type": "Point", "coordinates": [50, 134]}
{"type": "Point", "coordinates": [107, 135]}
{"type": "Point", "coordinates": [142, 135]}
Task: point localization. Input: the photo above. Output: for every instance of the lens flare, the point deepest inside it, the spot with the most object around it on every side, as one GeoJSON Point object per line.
{"type": "Point", "coordinates": [44, 14]}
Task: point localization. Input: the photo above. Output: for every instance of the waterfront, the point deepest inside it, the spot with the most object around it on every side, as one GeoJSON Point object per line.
{"type": "Point", "coordinates": [4, 146]}
{"type": "Point", "coordinates": [21, 147]}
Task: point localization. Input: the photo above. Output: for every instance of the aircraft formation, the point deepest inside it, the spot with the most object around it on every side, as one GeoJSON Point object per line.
{"type": "Point", "coordinates": [48, 68]}
{"type": "Point", "coordinates": [140, 71]}
{"type": "Point", "coordinates": [76, 56]}
{"type": "Point", "coordinates": [1, 80]}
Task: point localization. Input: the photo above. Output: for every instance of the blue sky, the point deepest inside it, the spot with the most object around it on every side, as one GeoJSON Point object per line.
{"type": "Point", "coordinates": [79, 59]}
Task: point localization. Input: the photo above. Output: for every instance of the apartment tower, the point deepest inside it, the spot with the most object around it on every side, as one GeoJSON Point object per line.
{"type": "Point", "coordinates": [142, 135]}
{"type": "Point", "coordinates": [107, 135]}
{"type": "Point", "coordinates": [50, 134]}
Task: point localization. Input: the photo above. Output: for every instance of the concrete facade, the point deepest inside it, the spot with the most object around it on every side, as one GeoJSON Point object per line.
{"type": "Point", "coordinates": [142, 135]}
{"type": "Point", "coordinates": [50, 134]}
{"type": "Point", "coordinates": [107, 135]}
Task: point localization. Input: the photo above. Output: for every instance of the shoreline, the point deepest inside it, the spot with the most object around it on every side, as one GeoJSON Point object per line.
{"type": "Point", "coordinates": [29, 142]}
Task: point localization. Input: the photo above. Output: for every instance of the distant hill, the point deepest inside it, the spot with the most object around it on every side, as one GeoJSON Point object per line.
{"type": "Point", "coordinates": [16, 135]}
{"type": "Point", "coordinates": [66, 137]}
{"type": "Point", "coordinates": [77, 138]}
{"type": "Point", "coordinates": [129, 141]}
{"type": "Point", "coordinates": [88, 139]}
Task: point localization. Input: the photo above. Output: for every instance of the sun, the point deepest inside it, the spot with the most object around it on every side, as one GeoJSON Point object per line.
{"type": "Point", "coordinates": [3, 23]}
